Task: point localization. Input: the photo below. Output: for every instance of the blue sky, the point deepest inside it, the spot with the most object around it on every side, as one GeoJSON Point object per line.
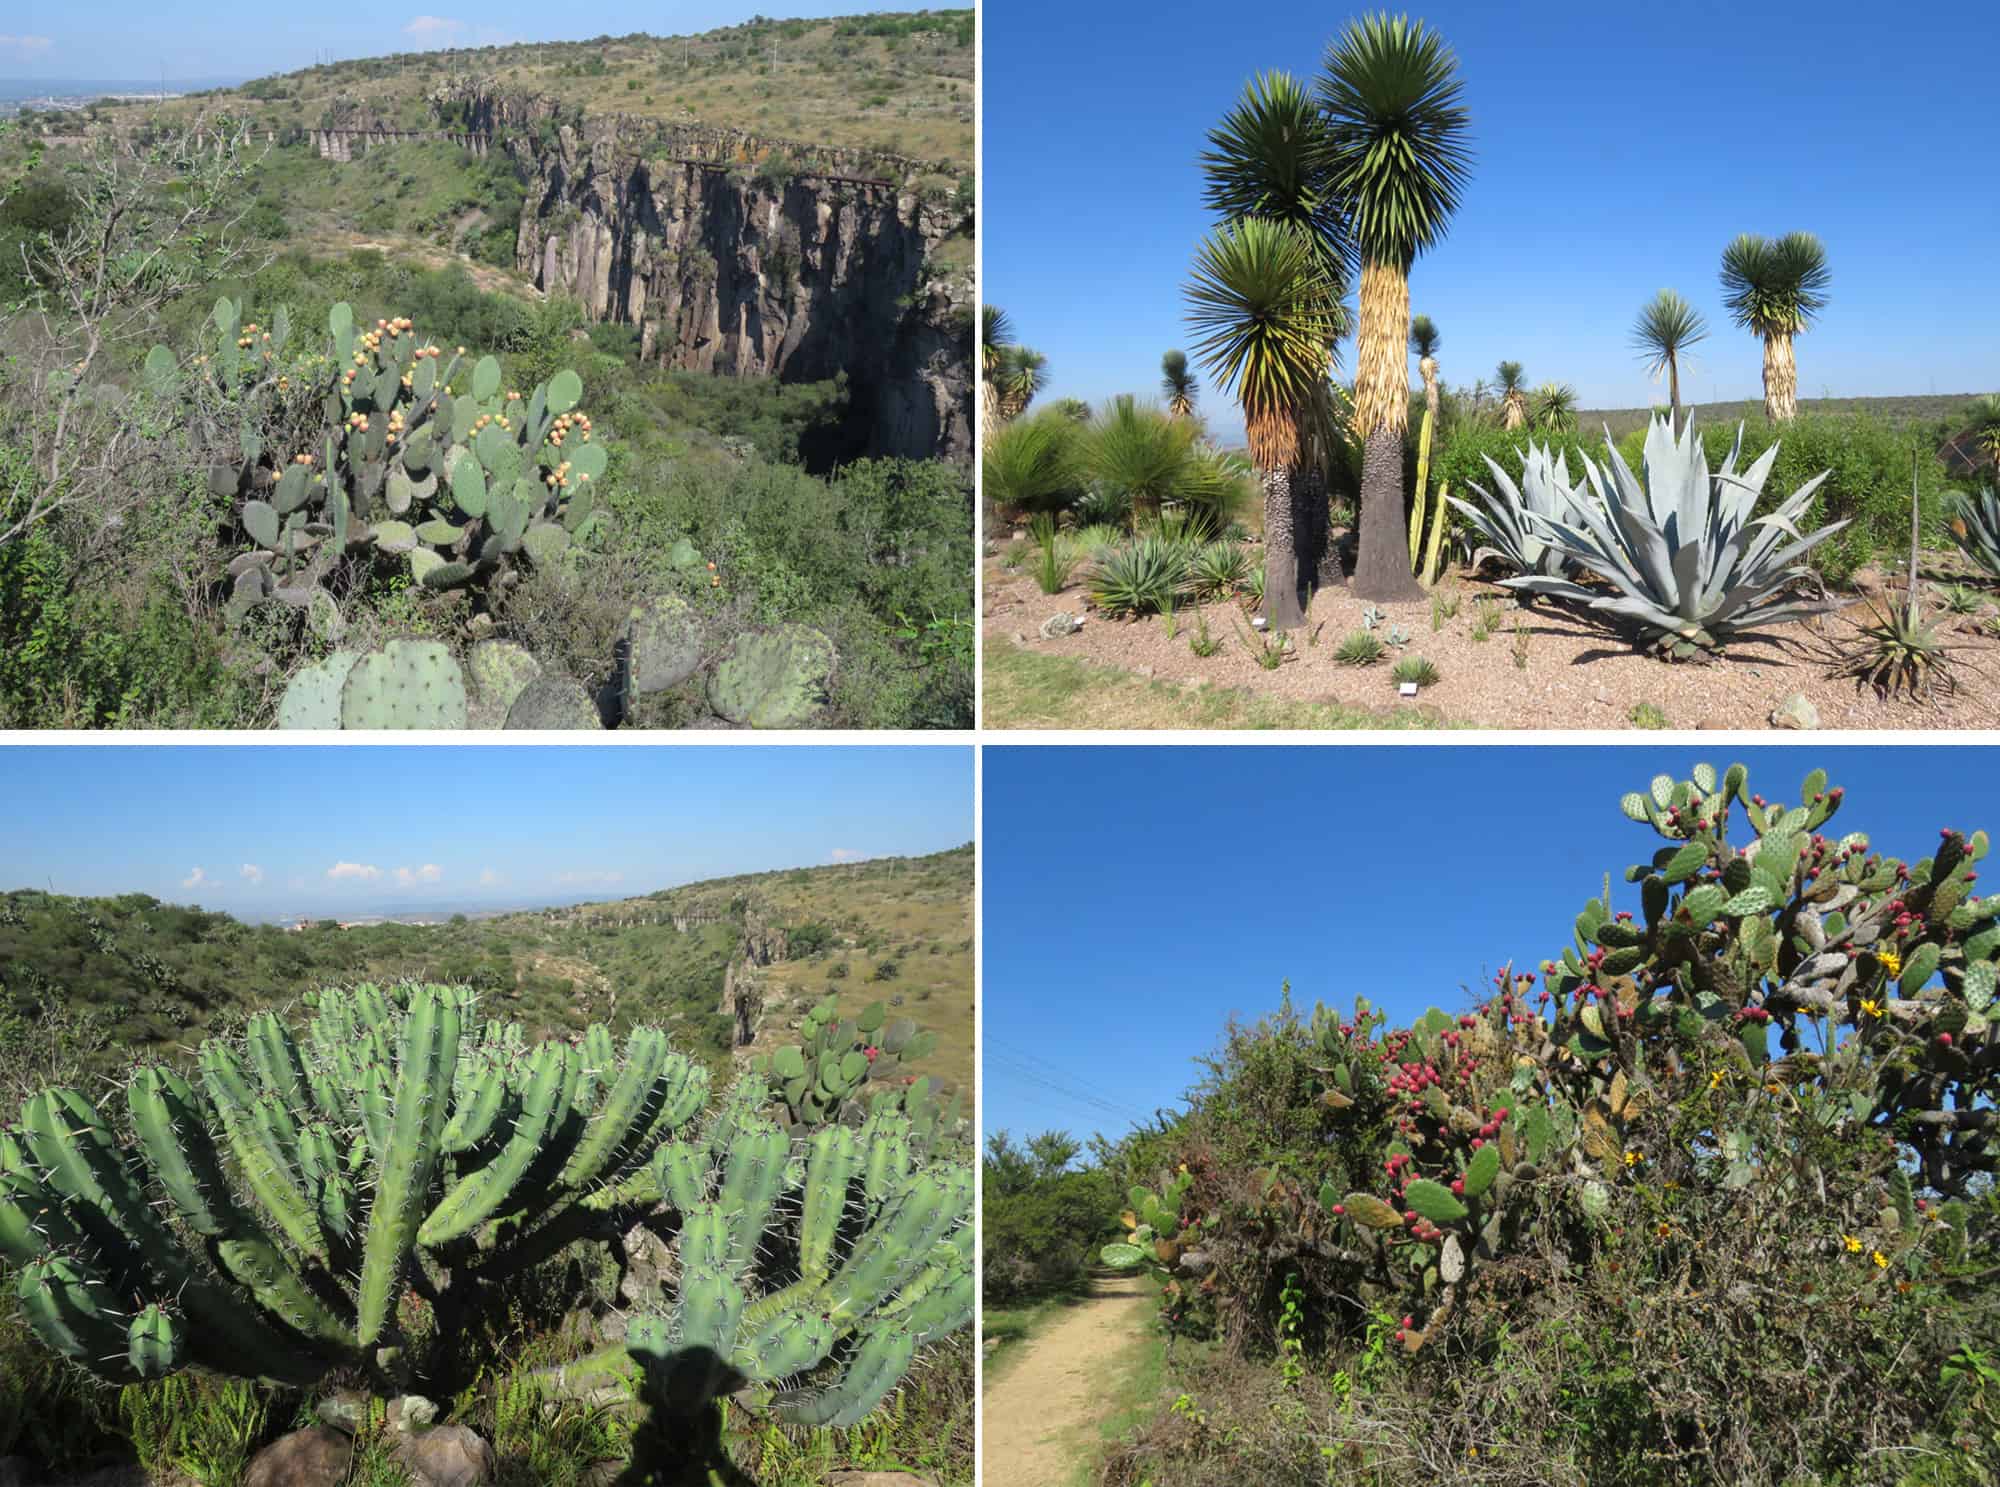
{"type": "Point", "coordinates": [1133, 899]}
{"type": "Point", "coordinates": [275, 830]}
{"type": "Point", "coordinates": [1619, 149]}
{"type": "Point", "coordinates": [136, 39]}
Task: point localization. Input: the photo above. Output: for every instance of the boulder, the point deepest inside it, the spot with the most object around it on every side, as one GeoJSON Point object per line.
{"type": "Point", "coordinates": [1796, 711]}
{"type": "Point", "coordinates": [446, 1456]}
{"type": "Point", "coordinates": [317, 1456]}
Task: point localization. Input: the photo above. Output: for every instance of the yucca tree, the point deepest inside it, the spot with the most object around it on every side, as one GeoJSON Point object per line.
{"type": "Point", "coordinates": [1773, 289]}
{"type": "Point", "coordinates": [1513, 395]}
{"type": "Point", "coordinates": [1425, 340]}
{"type": "Point", "coordinates": [1023, 373]}
{"type": "Point", "coordinates": [1666, 327]}
{"type": "Point", "coordinates": [1264, 314]}
{"type": "Point", "coordinates": [1136, 450]}
{"type": "Point", "coordinates": [1555, 408]}
{"type": "Point", "coordinates": [1179, 384]}
{"type": "Point", "coordinates": [996, 339]}
{"type": "Point", "coordinates": [1267, 157]}
{"type": "Point", "coordinates": [1396, 134]}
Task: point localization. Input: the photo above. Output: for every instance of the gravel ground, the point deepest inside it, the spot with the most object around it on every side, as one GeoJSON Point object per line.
{"type": "Point", "coordinates": [1577, 673]}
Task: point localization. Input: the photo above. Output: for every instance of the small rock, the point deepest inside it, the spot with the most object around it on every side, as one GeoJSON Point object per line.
{"type": "Point", "coordinates": [1142, 671]}
{"type": "Point", "coordinates": [1796, 711]}
{"type": "Point", "coordinates": [1019, 637]}
{"type": "Point", "coordinates": [317, 1456]}
{"type": "Point", "coordinates": [446, 1456]}
{"type": "Point", "coordinates": [411, 1412]}
{"type": "Point", "coordinates": [1059, 624]}
{"type": "Point", "coordinates": [344, 1409]}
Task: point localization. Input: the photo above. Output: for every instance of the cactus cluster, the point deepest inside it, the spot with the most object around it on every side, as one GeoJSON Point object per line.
{"type": "Point", "coordinates": [1789, 974]}
{"type": "Point", "coordinates": [866, 1249]}
{"type": "Point", "coordinates": [260, 1218]}
{"type": "Point", "coordinates": [841, 1069]}
{"type": "Point", "coordinates": [457, 484]}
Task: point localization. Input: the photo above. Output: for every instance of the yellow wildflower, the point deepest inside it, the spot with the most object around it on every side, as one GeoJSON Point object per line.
{"type": "Point", "coordinates": [1715, 1080]}
{"type": "Point", "coordinates": [1634, 1158]}
{"type": "Point", "coordinates": [1853, 1244]}
{"type": "Point", "coordinates": [1870, 1008]}
{"type": "Point", "coordinates": [1881, 1260]}
{"type": "Point", "coordinates": [1891, 962]}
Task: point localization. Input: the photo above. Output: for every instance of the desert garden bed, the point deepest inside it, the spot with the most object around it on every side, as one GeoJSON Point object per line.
{"type": "Point", "coordinates": [1504, 664]}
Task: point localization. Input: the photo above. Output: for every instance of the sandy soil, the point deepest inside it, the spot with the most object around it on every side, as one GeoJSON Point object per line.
{"type": "Point", "coordinates": [1578, 674]}
{"type": "Point", "coordinates": [1038, 1420]}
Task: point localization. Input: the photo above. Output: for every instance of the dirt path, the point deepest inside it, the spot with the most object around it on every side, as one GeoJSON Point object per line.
{"type": "Point", "coordinates": [1039, 1418]}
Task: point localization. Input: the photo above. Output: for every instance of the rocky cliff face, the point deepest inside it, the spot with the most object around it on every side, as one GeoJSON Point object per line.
{"type": "Point", "coordinates": [749, 257]}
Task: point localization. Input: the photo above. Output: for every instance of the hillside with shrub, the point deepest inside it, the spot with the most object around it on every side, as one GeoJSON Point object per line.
{"type": "Point", "coordinates": [1706, 1194]}
{"type": "Point", "coordinates": [200, 505]}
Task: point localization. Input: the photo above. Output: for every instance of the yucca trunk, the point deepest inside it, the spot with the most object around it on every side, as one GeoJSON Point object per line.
{"type": "Point", "coordinates": [1513, 412]}
{"type": "Point", "coordinates": [1318, 561]}
{"type": "Point", "coordinates": [1381, 413]}
{"type": "Point", "coordinates": [1429, 367]}
{"type": "Point", "coordinates": [1145, 511]}
{"type": "Point", "coordinates": [1281, 552]}
{"type": "Point", "coordinates": [1674, 388]}
{"type": "Point", "coordinates": [1781, 379]}
{"type": "Point", "coordinates": [990, 415]}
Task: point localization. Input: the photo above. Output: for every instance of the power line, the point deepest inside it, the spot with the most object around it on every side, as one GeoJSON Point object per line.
{"type": "Point", "coordinates": [1015, 1069]}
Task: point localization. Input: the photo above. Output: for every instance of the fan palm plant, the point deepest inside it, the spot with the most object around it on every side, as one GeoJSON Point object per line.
{"type": "Point", "coordinates": [1396, 133]}
{"type": "Point", "coordinates": [1513, 395]}
{"type": "Point", "coordinates": [1666, 327]}
{"type": "Point", "coordinates": [1555, 408]}
{"type": "Point", "coordinates": [1773, 289]}
{"type": "Point", "coordinates": [1424, 340]}
{"type": "Point", "coordinates": [1179, 384]}
{"type": "Point", "coordinates": [996, 338]}
{"type": "Point", "coordinates": [1267, 158]}
{"type": "Point", "coordinates": [1142, 452]}
{"type": "Point", "coordinates": [1263, 312]}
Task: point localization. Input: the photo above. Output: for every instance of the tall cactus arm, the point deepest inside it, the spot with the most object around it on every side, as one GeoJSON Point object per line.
{"type": "Point", "coordinates": [276, 1060]}
{"type": "Point", "coordinates": [428, 1055]}
{"type": "Point", "coordinates": [71, 1309]}
{"type": "Point", "coordinates": [167, 1120]}
{"type": "Point", "coordinates": [876, 1368]}
{"type": "Point", "coordinates": [834, 1158]}
{"type": "Point", "coordinates": [473, 1120]}
{"type": "Point", "coordinates": [265, 1165]}
{"type": "Point", "coordinates": [751, 1183]}
{"type": "Point", "coordinates": [898, 1244]}
{"type": "Point", "coordinates": [625, 1108]}
{"type": "Point", "coordinates": [783, 1344]}
{"type": "Point", "coordinates": [476, 1198]}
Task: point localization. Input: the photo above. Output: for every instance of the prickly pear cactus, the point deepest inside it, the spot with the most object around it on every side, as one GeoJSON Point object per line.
{"type": "Point", "coordinates": [1775, 991]}
{"type": "Point", "coordinates": [260, 1218]}
{"type": "Point", "coordinates": [420, 456]}
{"type": "Point", "coordinates": [880, 1242]}
{"type": "Point", "coordinates": [664, 643]}
{"type": "Point", "coordinates": [843, 1068]}
{"type": "Point", "coordinates": [774, 680]}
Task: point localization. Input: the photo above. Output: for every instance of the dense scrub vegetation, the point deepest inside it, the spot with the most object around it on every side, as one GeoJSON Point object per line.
{"type": "Point", "coordinates": [119, 555]}
{"type": "Point", "coordinates": [1706, 1195]}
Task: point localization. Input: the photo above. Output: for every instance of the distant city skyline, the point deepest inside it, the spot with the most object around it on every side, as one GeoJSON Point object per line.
{"type": "Point", "coordinates": [344, 832]}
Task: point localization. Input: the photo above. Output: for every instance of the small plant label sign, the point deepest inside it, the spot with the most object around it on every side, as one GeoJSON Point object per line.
{"type": "Point", "coordinates": [1406, 689]}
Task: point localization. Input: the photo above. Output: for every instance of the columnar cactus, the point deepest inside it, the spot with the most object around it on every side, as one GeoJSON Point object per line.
{"type": "Point", "coordinates": [390, 1144]}
{"type": "Point", "coordinates": [878, 1240]}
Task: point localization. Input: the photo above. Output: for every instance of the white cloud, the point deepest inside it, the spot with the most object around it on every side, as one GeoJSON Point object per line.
{"type": "Point", "coordinates": [409, 877]}
{"type": "Point", "coordinates": [489, 878]}
{"type": "Point", "coordinates": [847, 854]}
{"type": "Point", "coordinates": [25, 46]}
{"type": "Point", "coordinates": [588, 879]}
{"type": "Point", "coordinates": [195, 879]}
{"type": "Point", "coordinates": [436, 30]}
{"type": "Point", "coordinates": [251, 871]}
{"type": "Point", "coordinates": [367, 872]}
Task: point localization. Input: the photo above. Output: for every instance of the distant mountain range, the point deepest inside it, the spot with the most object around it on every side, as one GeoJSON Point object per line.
{"type": "Point", "coordinates": [84, 90]}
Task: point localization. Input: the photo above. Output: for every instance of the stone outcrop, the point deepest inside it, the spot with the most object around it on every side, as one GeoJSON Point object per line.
{"type": "Point", "coordinates": [751, 257]}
